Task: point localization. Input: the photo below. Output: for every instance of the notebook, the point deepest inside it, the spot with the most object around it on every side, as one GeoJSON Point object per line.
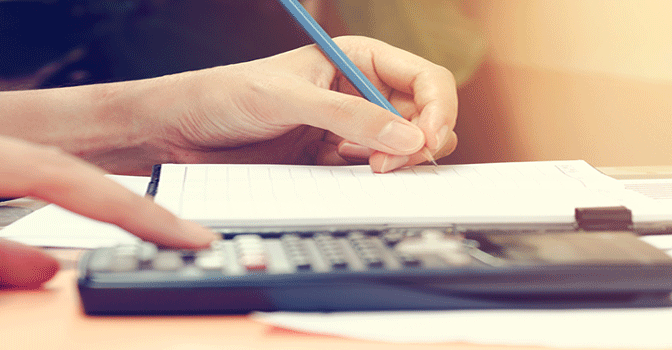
{"type": "Point", "coordinates": [545, 194]}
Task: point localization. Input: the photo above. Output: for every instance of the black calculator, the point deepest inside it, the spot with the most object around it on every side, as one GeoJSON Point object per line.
{"type": "Point", "coordinates": [435, 268]}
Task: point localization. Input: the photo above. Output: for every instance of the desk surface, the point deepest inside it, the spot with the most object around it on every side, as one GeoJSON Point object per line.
{"type": "Point", "coordinates": [52, 318]}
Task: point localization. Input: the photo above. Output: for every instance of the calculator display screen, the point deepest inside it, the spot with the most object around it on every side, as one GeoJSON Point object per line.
{"type": "Point", "coordinates": [572, 248]}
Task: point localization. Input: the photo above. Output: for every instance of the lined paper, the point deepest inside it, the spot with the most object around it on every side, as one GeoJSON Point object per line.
{"type": "Point", "coordinates": [280, 195]}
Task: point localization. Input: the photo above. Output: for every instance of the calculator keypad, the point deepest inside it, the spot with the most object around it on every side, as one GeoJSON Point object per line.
{"type": "Point", "coordinates": [367, 251]}
{"type": "Point", "coordinates": [283, 253]}
{"type": "Point", "coordinates": [331, 250]}
{"type": "Point", "coordinates": [296, 251]}
{"type": "Point", "coordinates": [251, 252]}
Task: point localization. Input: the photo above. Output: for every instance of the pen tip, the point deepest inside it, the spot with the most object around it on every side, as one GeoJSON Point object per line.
{"type": "Point", "coordinates": [428, 156]}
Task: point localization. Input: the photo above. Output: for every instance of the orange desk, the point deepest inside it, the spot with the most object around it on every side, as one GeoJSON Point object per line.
{"type": "Point", "coordinates": [52, 318]}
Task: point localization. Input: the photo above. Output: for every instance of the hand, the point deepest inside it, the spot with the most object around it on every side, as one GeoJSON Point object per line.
{"type": "Point", "coordinates": [57, 177]}
{"type": "Point", "coordinates": [296, 108]}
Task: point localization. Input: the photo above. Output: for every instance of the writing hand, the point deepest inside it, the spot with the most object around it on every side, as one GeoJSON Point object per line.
{"type": "Point", "coordinates": [296, 108]}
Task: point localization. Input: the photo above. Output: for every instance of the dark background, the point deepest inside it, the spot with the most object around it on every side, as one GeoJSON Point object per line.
{"type": "Point", "coordinates": [90, 41]}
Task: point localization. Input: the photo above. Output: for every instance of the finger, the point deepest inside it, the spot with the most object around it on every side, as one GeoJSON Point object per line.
{"type": "Point", "coordinates": [382, 163]}
{"type": "Point", "coordinates": [405, 105]}
{"type": "Point", "coordinates": [84, 190]}
{"type": "Point", "coordinates": [433, 87]}
{"type": "Point", "coordinates": [75, 185]}
{"type": "Point", "coordinates": [448, 147]}
{"type": "Point", "coordinates": [24, 266]}
{"type": "Point", "coordinates": [327, 154]}
{"type": "Point", "coordinates": [350, 150]}
{"type": "Point", "coordinates": [355, 119]}
{"type": "Point", "coordinates": [445, 149]}
{"type": "Point", "coordinates": [437, 131]}
{"type": "Point", "coordinates": [332, 138]}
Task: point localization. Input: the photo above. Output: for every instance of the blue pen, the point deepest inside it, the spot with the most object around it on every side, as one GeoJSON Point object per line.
{"type": "Point", "coordinates": [340, 60]}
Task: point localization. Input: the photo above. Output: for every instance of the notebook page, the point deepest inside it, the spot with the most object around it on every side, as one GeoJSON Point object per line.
{"type": "Point", "coordinates": [280, 195]}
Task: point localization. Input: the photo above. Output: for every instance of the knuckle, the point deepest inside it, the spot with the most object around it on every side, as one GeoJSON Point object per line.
{"type": "Point", "coordinates": [446, 74]}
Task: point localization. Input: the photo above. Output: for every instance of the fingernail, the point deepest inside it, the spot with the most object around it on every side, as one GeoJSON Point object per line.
{"type": "Point", "coordinates": [441, 137]}
{"type": "Point", "coordinates": [391, 162]}
{"type": "Point", "coordinates": [198, 235]}
{"type": "Point", "coordinates": [401, 137]}
{"type": "Point", "coordinates": [353, 150]}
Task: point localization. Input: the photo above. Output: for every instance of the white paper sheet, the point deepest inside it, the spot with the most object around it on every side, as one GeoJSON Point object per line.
{"type": "Point", "coordinates": [276, 195]}
{"type": "Point", "coordinates": [613, 329]}
{"type": "Point", "coordinates": [53, 226]}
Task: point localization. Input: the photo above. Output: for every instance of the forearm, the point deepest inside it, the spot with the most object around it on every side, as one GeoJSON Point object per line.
{"type": "Point", "coordinates": [247, 113]}
{"type": "Point", "coordinates": [106, 124]}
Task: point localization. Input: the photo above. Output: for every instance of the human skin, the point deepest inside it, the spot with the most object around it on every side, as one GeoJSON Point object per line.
{"type": "Point", "coordinates": [293, 108]}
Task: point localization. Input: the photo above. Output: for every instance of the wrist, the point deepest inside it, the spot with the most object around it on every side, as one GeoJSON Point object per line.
{"type": "Point", "coordinates": [121, 136]}
{"type": "Point", "coordinates": [190, 113]}
{"type": "Point", "coordinates": [161, 106]}
{"type": "Point", "coordinates": [165, 118]}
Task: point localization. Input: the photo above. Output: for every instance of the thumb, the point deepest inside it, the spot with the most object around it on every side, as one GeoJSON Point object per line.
{"type": "Point", "coordinates": [362, 122]}
{"type": "Point", "coordinates": [24, 266]}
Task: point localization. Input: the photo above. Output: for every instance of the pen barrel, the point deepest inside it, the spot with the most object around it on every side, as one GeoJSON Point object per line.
{"type": "Point", "coordinates": [336, 55]}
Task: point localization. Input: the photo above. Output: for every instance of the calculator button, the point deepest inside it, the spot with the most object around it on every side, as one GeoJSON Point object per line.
{"type": "Point", "coordinates": [332, 254]}
{"type": "Point", "coordinates": [432, 234]}
{"type": "Point", "coordinates": [331, 250]}
{"type": "Point", "coordinates": [188, 256]}
{"type": "Point", "coordinates": [125, 258]}
{"type": "Point", "coordinates": [296, 251]}
{"type": "Point", "coordinates": [167, 261]}
{"type": "Point", "coordinates": [356, 235]}
{"type": "Point", "coordinates": [251, 252]}
{"type": "Point", "coordinates": [393, 237]}
{"type": "Point", "coordinates": [338, 234]}
{"type": "Point", "coordinates": [218, 245]}
{"type": "Point", "coordinates": [322, 236]}
{"type": "Point", "coordinates": [247, 238]}
{"type": "Point", "coordinates": [101, 260]}
{"type": "Point", "coordinates": [253, 262]}
{"type": "Point", "coordinates": [374, 262]}
{"type": "Point", "coordinates": [338, 263]}
{"type": "Point", "coordinates": [210, 260]}
{"type": "Point", "coordinates": [147, 251]}
{"type": "Point", "coordinates": [409, 260]}
{"type": "Point", "coordinates": [127, 250]}
{"type": "Point", "coordinates": [302, 264]}
{"type": "Point", "coordinates": [373, 233]}
{"type": "Point", "coordinates": [125, 263]}
{"type": "Point", "coordinates": [366, 250]}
